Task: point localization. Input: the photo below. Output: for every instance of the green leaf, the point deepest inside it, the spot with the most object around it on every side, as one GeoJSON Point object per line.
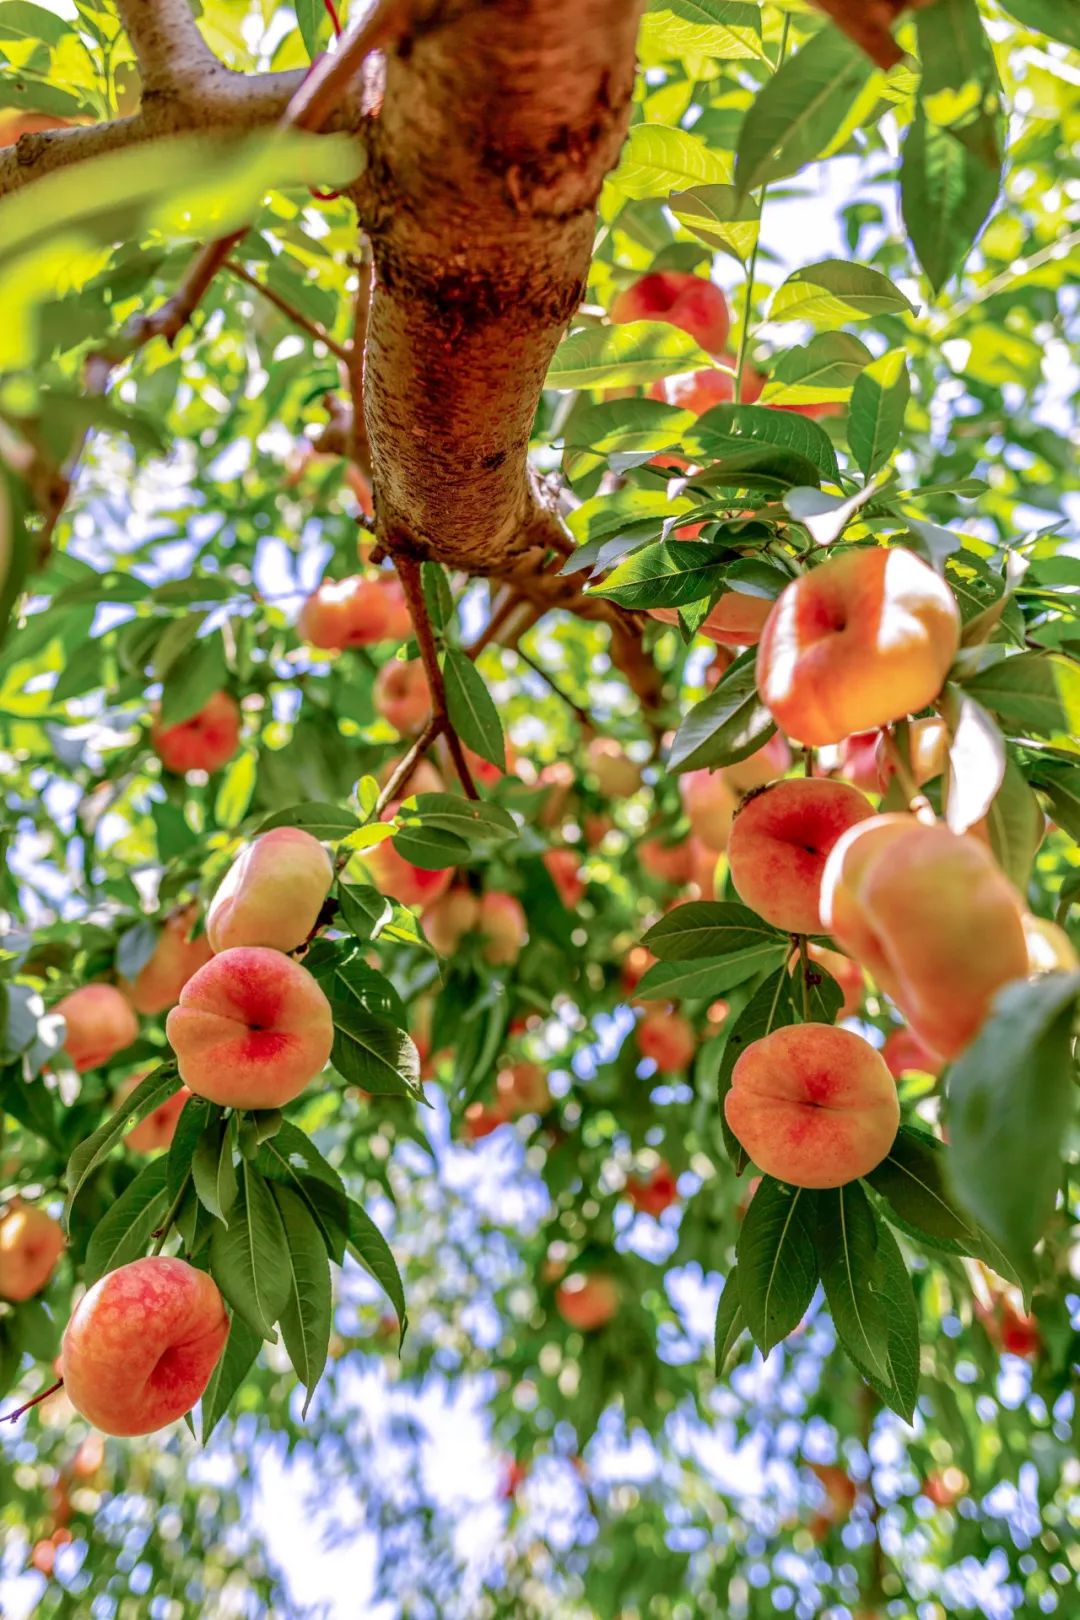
{"type": "Point", "coordinates": [687, 981]}
{"type": "Point", "coordinates": [801, 109]}
{"type": "Point", "coordinates": [473, 714]}
{"type": "Point", "coordinates": [21, 20]}
{"type": "Point", "coordinates": [946, 194]}
{"type": "Point", "coordinates": [719, 217]}
{"type": "Point", "coordinates": [892, 1285]}
{"type": "Point", "coordinates": [83, 670]}
{"type": "Point", "coordinates": [667, 574]}
{"type": "Point", "coordinates": [237, 1359]}
{"type": "Point", "coordinates": [693, 30]}
{"type": "Point", "coordinates": [879, 401]}
{"type": "Point", "coordinates": [846, 1235]}
{"type": "Point", "coordinates": [657, 159]}
{"type": "Point", "coordinates": [730, 1321]}
{"type": "Point", "coordinates": [728, 725]}
{"type": "Point", "coordinates": [292, 1159]}
{"type": "Point", "coordinates": [307, 1317]}
{"type": "Point", "coordinates": [367, 1244]}
{"type": "Point", "coordinates": [626, 431]}
{"type": "Point", "coordinates": [374, 1055]}
{"type": "Point", "coordinates": [246, 1255]}
{"type": "Point", "coordinates": [637, 352]}
{"type": "Point", "coordinates": [835, 292]}
{"type": "Point", "coordinates": [213, 1170]}
{"type": "Point", "coordinates": [158, 1086]}
{"type": "Point", "coordinates": [311, 19]}
{"type": "Point", "coordinates": [357, 980]}
{"type": "Point", "coordinates": [1011, 1101]}
{"type": "Point", "coordinates": [777, 1267]}
{"type": "Point", "coordinates": [960, 87]}
{"type": "Point", "coordinates": [710, 928]}
{"type": "Point", "coordinates": [912, 1180]}
{"type": "Point", "coordinates": [476, 821]}
{"type": "Point", "coordinates": [124, 1231]}
{"type": "Point", "coordinates": [371, 915]}
{"type": "Point", "coordinates": [818, 372]}
{"type": "Point", "coordinates": [1061, 785]}
{"type": "Point", "coordinates": [328, 822]}
{"type": "Point", "coordinates": [1031, 692]}
{"type": "Point", "coordinates": [193, 1120]}
{"type": "Point", "coordinates": [193, 679]}
{"type": "Point", "coordinates": [237, 788]}
{"type": "Point", "coordinates": [438, 596]}
{"type": "Point", "coordinates": [430, 847]}
{"type": "Point", "coordinates": [134, 949]}
{"type": "Point", "coordinates": [1047, 17]}
{"type": "Point", "coordinates": [723, 428]}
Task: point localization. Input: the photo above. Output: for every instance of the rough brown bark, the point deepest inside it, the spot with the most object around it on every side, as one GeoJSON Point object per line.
{"type": "Point", "coordinates": [498, 125]}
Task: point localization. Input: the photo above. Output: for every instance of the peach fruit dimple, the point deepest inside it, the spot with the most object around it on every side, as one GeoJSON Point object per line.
{"type": "Point", "coordinates": [813, 1105]}
{"type": "Point", "coordinates": [252, 1029]}
{"type": "Point", "coordinates": [205, 741]}
{"type": "Point", "coordinates": [31, 1243]}
{"type": "Point", "coordinates": [141, 1345]}
{"type": "Point", "coordinates": [858, 642]}
{"type": "Point", "coordinates": [936, 924]}
{"type": "Point", "coordinates": [158, 983]}
{"type": "Point", "coordinates": [681, 299]}
{"type": "Point", "coordinates": [779, 843]}
{"type": "Point", "coordinates": [99, 1022]}
{"type": "Point", "coordinates": [272, 893]}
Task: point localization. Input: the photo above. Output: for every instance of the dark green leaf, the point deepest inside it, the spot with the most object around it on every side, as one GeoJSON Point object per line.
{"type": "Point", "coordinates": [846, 1234]}
{"type": "Point", "coordinates": [326, 821]}
{"type": "Point", "coordinates": [374, 1055]}
{"type": "Point", "coordinates": [708, 928]}
{"type": "Point", "coordinates": [667, 574]}
{"type": "Point", "coordinates": [237, 1359]}
{"type": "Point", "coordinates": [876, 414]}
{"type": "Point", "coordinates": [946, 194]}
{"type": "Point", "coordinates": [473, 714]}
{"type": "Point", "coordinates": [1060, 21]}
{"type": "Point", "coordinates": [722, 427]}
{"type": "Point", "coordinates": [124, 1231]}
{"type": "Point", "coordinates": [193, 679]}
{"type": "Point", "coordinates": [799, 111]}
{"type": "Point", "coordinates": [730, 1321]}
{"type": "Point", "coordinates": [246, 1256]}
{"type": "Point", "coordinates": [158, 1086]}
{"type": "Point", "coordinates": [912, 1182]}
{"type": "Point", "coordinates": [728, 725]}
{"type": "Point", "coordinates": [213, 1170]}
{"type": "Point", "coordinates": [367, 1244]}
{"type": "Point", "coordinates": [292, 1159]}
{"type": "Point", "coordinates": [777, 1268]}
{"type": "Point", "coordinates": [1031, 692]}
{"type": "Point", "coordinates": [307, 1317]}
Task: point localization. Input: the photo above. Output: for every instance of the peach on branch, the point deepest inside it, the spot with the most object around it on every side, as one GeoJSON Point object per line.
{"type": "Point", "coordinates": [558, 780]}
{"type": "Point", "coordinates": [617, 775]}
{"type": "Point", "coordinates": [668, 1039]}
{"type": "Point", "coordinates": [31, 1243]}
{"type": "Point", "coordinates": [522, 1088]}
{"type": "Point", "coordinates": [449, 918]}
{"type": "Point", "coordinates": [927, 752]}
{"type": "Point", "coordinates": [681, 299]}
{"type": "Point", "coordinates": [564, 869]}
{"type": "Point", "coordinates": [863, 639]}
{"type": "Point", "coordinates": [858, 761]}
{"type": "Point", "coordinates": [933, 920]}
{"type": "Point", "coordinates": [736, 619]}
{"type": "Point", "coordinates": [353, 612]}
{"type": "Point", "coordinates": [399, 624]}
{"type": "Point", "coordinates": [205, 741]}
{"type": "Point", "coordinates": [483, 771]}
{"type": "Point", "coordinates": [158, 983]}
{"type": "Point", "coordinates": [141, 1345]}
{"type": "Point", "coordinates": [848, 975]}
{"type": "Point", "coordinates": [401, 694]}
{"type": "Point", "coordinates": [272, 893]}
{"type": "Point", "coordinates": [813, 1105]}
{"type": "Point", "coordinates": [699, 391]}
{"type": "Point", "coordinates": [668, 863]}
{"type": "Point", "coordinates": [761, 767]}
{"type": "Point", "coordinates": [587, 1300]}
{"type": "Point", "coordinates": [710, 807]}
{"type": "Point", "coordinates": [651, 1194]}
{"type": "Point", "coordinates": [158, 1128]}
{"type": "Point", "coordinates": [502, 927]}
{"type": "Point", "coordinates": [99, 1023]}
{"type": "Point", "coordinates": [480, 1119]}
{"type": "Point", "coordinates": [252, 1029]}
{"type": "Point", "coordinates": [780, 840]}
{"type": "Point", "coordinates": [904, 1052]}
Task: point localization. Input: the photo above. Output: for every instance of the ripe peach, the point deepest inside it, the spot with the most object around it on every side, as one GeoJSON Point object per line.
{"type": "Point", "coordinates": [353, 612]}
{"type": "Point", "coordinates": [43, 1556]}
{"type": "Point", "coordinates": [565, 872]}
{"type": "Point", "coordinates": [502, 926]}
{"type": "Point", "coordinates": [654, 1193]}
{"type": "Point", "coordinates": [862, 640]}
{"type": "Point", "coordinates": [449, 918]}
{"type": "Point", "coordinates": [904, 1051]}
{"type": "Point", "coordinates": [522, 1089]}
{"type": "Point", "coordinates": [587, 1301]}
{"type": "Point", "coordinates": [157, 1129]}
{"type": "Point", "coordinates": [858, 763]}
{"type": "Point", "coordinates": [813, 1105]}
{"type": "Point", "coordinates": [204, 741]}
{"type": "Point", "coordinates": [480, 1119]}
{"type": "Point", "coordinates": [559, 780]}
{"type": "Point", "coordinates": [617, 775]}
{"type": "Point", "coordinates": [141, 1345]}
{"type": "Point", "coordinates": [761, 767]}
{"type": "Point", "coordinates": [272, 893]}
{"type": "Point", "coordinates": [31, 1243]}
{"type": "Point", "coordinates": [710, 806]}
{"type": "Point", "coordinates": [780, 840]}
{"type": "Point", "coordinates": [393, 875]}
{"type": "Point", "coordinates": [425, 778]}
{"type": "Point", "coordinates": [699, 391]}
{"type": "Point", "coordinates": [483, 772]}
{"type": "Point", "coordinates": [399, 624]}
{"type": "Point", "coordinates": [1020, 1334]}
{"type": "Point", "coordinates": [735, 619]}
{"type": "Point", "coordinates": [681, 299]}
{"type": "Point", "coordinates": [99, 1022]}
{"type": "Point", "coordinates": [928, 750]}
{"type": "Point", "coordinates": [252, 1029]}
{"type": "Point", "coordinates": [936, 924]}
{"type": "Point", "coordinates": [401, 694]}
{"type": "Point", "coordinates": [14, 125]}
{"type": "Point", "coordinates": [158, 983]}
{"type": "Point", "coordinates": [668, 863]}
{"type": "Point", "coordinates": [668, 1039]}
{"type": "Point", "coordinates": [1050, 950]}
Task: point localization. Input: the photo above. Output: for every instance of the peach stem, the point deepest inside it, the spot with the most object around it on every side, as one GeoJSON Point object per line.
{"type": "Point", "coordinates": [9, 1417]}
{"type": "Point", "coordinates": [918, 803]}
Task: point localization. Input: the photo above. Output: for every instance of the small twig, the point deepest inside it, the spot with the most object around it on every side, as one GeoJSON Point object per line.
{"type": "Point", "coordinates": [409, 573]}
{"type": "Point", "coordinates": [804, 975]}
{"type": "Point", "coordinates": [582, 714]}
{"type": "Point", "coordinates": [312, 328]}
{"type": "Point", "coordinates": [808, 761]}
{"type": "Point", "coordinates": [9, 1417]}
{"type": "Point", "coordinates": [407, 764]}
{"type": "Point", "coordinates": [918, 803]}
{"type": "Point", "coordinates": [174, 1210]}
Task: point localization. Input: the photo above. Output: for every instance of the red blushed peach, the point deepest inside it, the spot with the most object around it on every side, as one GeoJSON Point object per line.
{"type": "Point", "coordinates": [667, 863]}
{"type": "Point", "coordinates": [252, 1029]}
{"type": "Point", "coordinates": [353, 612]}
{"type": "Point", "coordinates": [31, 1243]}
{"type": "Point", "coordinates": [761, 767]}
{"type": "Point", "coordinates": [401, 695]}
{"type": "Point", "coordinates": [780, 840]}
{"type": "Point", "coordinates": [483, 772]}
{"type": "Point", "coordinates": [564, 869]}
{"type": "Point", "coordinates": [502, 926]}
{"type": "Point", "coordinates": [936, 924]}
{"type": "Point", "coordinates": [699, 391]}
{"type": "Point", "coordinates": [681, 299]}
{"type": "Point", "coordinates": [522, 1089]}
{"type": "Point", "coordinates": [272, 893]}
{"type": "Point", "coordinates": [710, 806]}
{"type": "Point", "coordinates": [158, 1128]}
{"type": "Point", "coordinates": [653, 1193]}
{"type": "Point", "coordinates": [449, 918]}
{"type": "Point", "coordinates": [393, 875]}
{"type": "Point", "coordinates": [158, 983]}
{"type": "Point", "coordinates": [617, 776]}
{"type": "Point", "coordinates": [141, 1345]}
{"type": "Point", "coordinates": [1019, 1332]}
{"type": "Point", "coordinates": [928, 751]}
{"type": "Point", "coordinates": [668, 1039]}
{"type": "Point", "coordinates": [858, 762]}
{"type": "Point", "coordinates": [813, 1105]}
{"type": "Point", "coordinates": [99, 1022]}
{"type": "Point", "coordinates": [903, 1053]}
{"type": "Point", "coordinates": [860, 641]}
{"type": "Point", "coordinates": [587, 1301]}
{"type": "Point", "coordinates": [736, 618]}
{"type": "Point", "coordinates": [204, 741]}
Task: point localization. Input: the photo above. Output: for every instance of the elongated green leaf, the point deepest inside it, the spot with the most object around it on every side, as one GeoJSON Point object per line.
{"type": "Point", "coordinates": [124, 1231]}
{"type": "Point", "coordinates": [657, 159]}
{"type": "Point", "coordinates": [946, 194]}
{"type": "Point", "coordinates": [214, 1172]}
{"type": "Point", "coordinates": [696, 30]}
{"type": "Point", "coordinates": [374, 1055]}
{"type": "Point", "coordinates": [638, 352]}
{"type": "Point", "coordinates": [777, 1267]}
{"type": "Point", "coordinates": [879, 400]}
{"type": "Point", "coordinates": [371, 915]}
{"type": "Point", "coordinates": [708, 928]}
{"type": "Point", "coordinates": [846, 1235]}
{"type": "Point", "coordinates": [719, 217]}
{"type": "Point", "coordinates": [473, 714]}
{"type": "Point", "coordinates": [728, 725]}
{"type": "Point", "coordinates": [307, 1317]}
{"type": "Point", "coordinates": [1033, 692]}
{"type": "Point", "coordinates": [730, 1321]}
{"type": "Point", "coordinates": [475, 821]}
{"type": "Point", "coordinates": [835, 292]}
{"type": "Point", "coordinates": [367, 1244]}
{"type": "Point", "coordinates": [326, 821]}
{"type": "Point", "coordinates": [682, 980]}
{"type": "Point", "coordinates": [150, 1093]}
{"type": "Point", "coordinates": [292, 1159]}
{"type": "Point", "coordinates": [668, 574]}
{"type": "Point", "coordinates": [193, 679]}
{"type": "Point", "coordinates": [722, 428]}
{"type": "Point", "coordinates": [797, 113]}
{"type": "Point", "coordinates": [817, 373]}
{"type": "Point", "coordinates": [900, 1387]}
{"type": "Point", "coordinates": [912, 1180]}
{"type": "Point", "coordinates": [246, 1256]}
{"type": "Point", "coordinates": [1047, 17]}
{"type": "Point", "coordinates": [237, 1359]}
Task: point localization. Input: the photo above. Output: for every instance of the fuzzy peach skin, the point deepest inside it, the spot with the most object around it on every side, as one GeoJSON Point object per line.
{"type": "Point", "coordinates": [699, 391]}
{"type": "Point", "coordinates": [252, 1029]}
{"type": "Point", "coordinates": [158, 983]}
{"type": "Point", "coordinates": [736, 619]}
{"type": "Point", "coordinates": [933, 920]}
{"type": "Point", "coordinates": [858, 642]}
{"type": "Point", "coordinates": [353, 612]}
{"type": "Point", "coordinates": [681, 299]}
{"type": "Point", "coordinates": [31, 1243]}
{"type": "Point", "coordinates": [779, 843]}
{"type": "Point", "coordinates": [141, 1345]}
{"type": "Point", "coordinates": [159, 1127]}
{"type": "Point", "coordinates": [401, 694]}
{"type": "Point", "coordinates": [99, 1022]}
{"type": "Point", "coordinates": [587, 1301]}
{"type": "Point", "coordinates": [272, 893]}
{"type": "Point", "coordinates": [813, 1105]}
{"type": "Point", "coordinates": [668, 1039]}
{"type": "Point", "coordinates": [710, 804]}
{"type": "Point", "coordinates": [392, 874]}
{"type": "Point", "coordinates": [204, 741]}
